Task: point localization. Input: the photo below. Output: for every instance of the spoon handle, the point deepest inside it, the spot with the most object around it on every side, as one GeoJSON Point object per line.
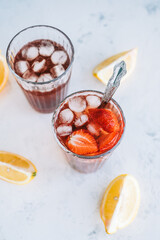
{"type": "Point", "coordinates": [118, 72]}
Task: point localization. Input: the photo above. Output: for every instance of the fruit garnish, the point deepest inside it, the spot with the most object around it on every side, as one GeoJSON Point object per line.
{"type": "Point", "coordinates": [105, 118]}
{"type": "Point", "coordinates": [4, 71]}
{"type": "Point", "coordinates": [104, 70]}
{"type": "Point", "coordinates": [107, 141]}
{"type": "Point", "coordinates": [120, 203]}
{"type": "Point", "coordinates": [16, 169]}
{"type": "Point", "coordinates": [82, 142]}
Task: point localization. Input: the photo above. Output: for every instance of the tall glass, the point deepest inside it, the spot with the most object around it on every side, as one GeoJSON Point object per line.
{"type": "Point", "coordinates": [88, 164]}
{"type": "Point", "coordinates": [43, 96]}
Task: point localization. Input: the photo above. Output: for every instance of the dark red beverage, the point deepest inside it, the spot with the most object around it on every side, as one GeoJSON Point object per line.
{"type": "Point", "coordinates": [46, 102]}
{"type": "Point", "coordinates": [42, 67]}
{"type": "Point", "coordinates": [41, 61]}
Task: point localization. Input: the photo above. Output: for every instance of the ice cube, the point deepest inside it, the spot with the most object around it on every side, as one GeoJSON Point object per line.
{"type": "Point", "coordinates": [39, 66]}
{"type": "Point", "coordinates": [94, 129]}
{"type": "Point", "coordinates": [45, 77]}
{"type": "Point", "coordinates": [93, 101]}
{"type": "Point", "coordinates": [30, 53]}
{"type": "Point", "coordinates": [81, 121]}
{"type": "Point", "coordinates": [77, 104]}
{"type": "Point", "coordinates": [64, 130]}
{"type": "Point", "coordinates": [57, 70]}
{"type": "Point", "coordinates": [30, 76]}
{"type": "Point", "coordinates": [46, 48]}
{"type": "Point", "coordinates": [66, 116]}
{"type": "Point", "coordinates": [59, 57]}
{"type": "Point", "coordinates": [21, 67]}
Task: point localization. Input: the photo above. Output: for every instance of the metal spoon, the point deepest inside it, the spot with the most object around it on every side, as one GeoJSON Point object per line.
{"type": "Point", "coordinates": [118, 72]}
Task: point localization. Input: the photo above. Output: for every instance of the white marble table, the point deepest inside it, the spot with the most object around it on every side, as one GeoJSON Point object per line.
{"type": "Point", "coordinates": [62, 203]}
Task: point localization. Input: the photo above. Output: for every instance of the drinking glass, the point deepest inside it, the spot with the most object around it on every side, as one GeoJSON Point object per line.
{"type": "Point", "coordinates": [43, 96]}
{"type": "Point", "coordinates": [82, 163]}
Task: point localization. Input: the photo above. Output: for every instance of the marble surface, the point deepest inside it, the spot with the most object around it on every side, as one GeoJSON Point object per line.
{"type": "Point", "coordinates": [62, 203]}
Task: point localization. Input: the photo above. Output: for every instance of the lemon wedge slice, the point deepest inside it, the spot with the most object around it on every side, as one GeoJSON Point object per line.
{"type": "Point", "coordinates": [4, 71]}
{"type": "Point", "coordinates": [120, 203]}
{"type": "Point", "coordinates": [104, 70]}
{"type": "Point", "coordinates": [16, 169]}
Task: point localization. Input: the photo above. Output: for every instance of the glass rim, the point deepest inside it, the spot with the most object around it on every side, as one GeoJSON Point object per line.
{"type": "Point", "coordinates": [39, 83]}
{"type": "Point", "coordinates": [84, 156]}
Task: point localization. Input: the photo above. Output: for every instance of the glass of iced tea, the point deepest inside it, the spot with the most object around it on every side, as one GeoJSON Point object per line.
{"type": "Point", "coordinates": [40, 58]}
{"type": "Point", "coordinates": [86, 133]}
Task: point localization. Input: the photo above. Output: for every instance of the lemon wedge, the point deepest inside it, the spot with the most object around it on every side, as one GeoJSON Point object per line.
{"type": "Point", "coordinates": [120, 203]}
{"type": "Point", "coordinates": [16, 169]}
{"type": "Point", "coordinates": [104, 70]}
{"type": "Point", "coordinates": [4, 71]}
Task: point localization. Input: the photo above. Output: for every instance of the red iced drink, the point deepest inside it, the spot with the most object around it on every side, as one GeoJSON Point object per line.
{"type": "Point", "coordinates": [86, 132]}
{"type": "Point", "coordinates": [42, 67]}
{"type": "Point", "coordinates": [41, 61]}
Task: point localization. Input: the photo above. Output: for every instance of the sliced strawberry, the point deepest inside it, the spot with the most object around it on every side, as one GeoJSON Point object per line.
{"type": "Point", "coordinates": [82, 142]}
{"type": "Point", "coordinates": [105, 118]}
{"type": "Point", "coordinates": [107, 141]}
